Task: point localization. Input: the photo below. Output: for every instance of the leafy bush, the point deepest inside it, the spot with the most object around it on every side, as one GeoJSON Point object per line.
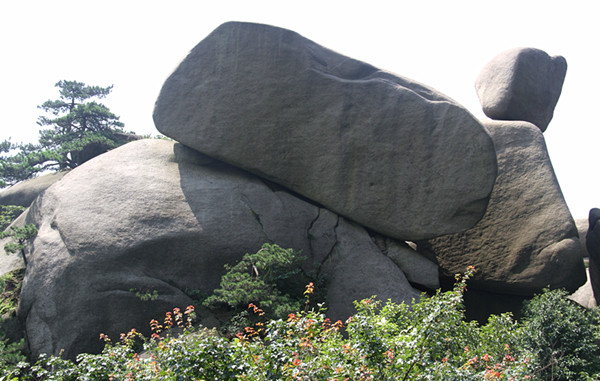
{"type": "Point", "coordinates": [11, 353]}
{"type": "Point", "coordinates": [8, 213]}
{"type": "Point", "coordinates": [429, 340]}
{"type": "Point", "coordinates": [266, 279]}
{"type": "Point", "coordinates": [10, 290]}
{"type": "Point", "coordinates": [560, 337]}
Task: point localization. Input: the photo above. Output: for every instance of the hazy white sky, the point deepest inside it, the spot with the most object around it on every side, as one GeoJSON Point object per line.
{"type": "Point", "coordinates": [135, 45]}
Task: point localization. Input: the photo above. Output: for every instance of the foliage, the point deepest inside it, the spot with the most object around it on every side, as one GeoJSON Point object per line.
{"type": "Point", "coordinates": [8, 213]}
{"type": "Point", "coordinates": [560, 337]}
{"type": "Point", "coordinates": [428, 340]}
{"type": "Point", "coordinates": [145, 295]}
{"type": "Point", "coordinates": [10, 290]}
{"type": "Point", "coordinates": [11, 353]}
{"type": "Point", "coordinates": [77, 123]}
{"type": "Point", "coordinates": [262, 279]}
{"type": "Point", "coordinates": [20, 237]}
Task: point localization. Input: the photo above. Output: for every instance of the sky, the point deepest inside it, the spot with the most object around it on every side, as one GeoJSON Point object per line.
{"type": "Point", "coordinates": [135, 45]}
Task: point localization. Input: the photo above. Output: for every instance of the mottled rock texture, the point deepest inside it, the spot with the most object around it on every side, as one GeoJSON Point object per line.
{"type": "Point", "coordinates": [527, 239]}
{"type": "Point", "coordinates": [23, 193]}
{"type": "Point", "coordinates": [522, 84]}
{"type": "Point", "coordinates": [155, 215]}
{"type": "Point", "coordinates": [384, 151]}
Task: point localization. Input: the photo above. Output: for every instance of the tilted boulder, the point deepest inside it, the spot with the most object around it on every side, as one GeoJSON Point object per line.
{"type": "Point", "coordinates": [522, 84]}
{"type": "Point", "coordinates": [157, 216]}
{"type": "Point", "coordinates": [384, 151]}
{"type": "Point", "coordinates": [527, 239]}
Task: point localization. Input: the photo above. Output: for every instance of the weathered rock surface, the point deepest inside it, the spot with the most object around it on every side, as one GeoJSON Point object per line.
{"type": "Point", "coordinates": [584, 295]}
{"type": "Point", "coordinates": [527, 239]}
{"type": "Point", "coordinates": [593, 248]}
{"type": "Point", "coordinates": [384, 151]}
{"type": "Point", "coordinates": [418, 269]}
{"type": "Point", "coordinates": [154, 215]}
{"type": "Point", "coordinates": [582, 229]}
{"type": "Point", "coordinates": [359, 256]}
{"type": "Point", "coordinates": [522, 84]}
{"type": "Point", "coordinates": [25, 192]}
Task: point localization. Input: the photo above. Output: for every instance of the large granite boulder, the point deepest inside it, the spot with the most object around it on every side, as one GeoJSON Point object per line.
{"type": "Point", "coordinates": [522, 84]}
{"type": "Point", "coordinates": [527, 239]}
{"type": "Point", "coordinates": [23, 193]}
{"type": "Point", "coordinates": [384, 151]}
{"type": "Point", "coordinates": [156, 216]}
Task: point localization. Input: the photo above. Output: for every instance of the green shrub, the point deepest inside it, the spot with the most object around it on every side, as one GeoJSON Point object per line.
{"type": "Point", "coordinates": [560, 337]}
{"type": "Point", "coordinates": [266, 279]}
{"type": "Point", "coordinates": [428, 340]}
{"type": "Point", "coordinates": [8, 213]}
{"type": "Point", "coordinates": [11, 353]}
{"type": "Point", "coordinates": [10, 291]}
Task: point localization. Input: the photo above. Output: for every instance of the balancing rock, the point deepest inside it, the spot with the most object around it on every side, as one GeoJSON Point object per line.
{"type": "Point", "coordinates": [384, 151]}
{"type": "Point", "coordinates": [522, 84]}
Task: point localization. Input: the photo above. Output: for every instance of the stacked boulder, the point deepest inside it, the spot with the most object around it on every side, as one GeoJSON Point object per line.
{"type": "Point", "coordinates": [281, 140]}
{"type": "Point", "coordinates": [381, 150]}
{"type": "Point", "coordinates": [522, 84]}
{"type": "Point", "coordinates": [527, 239]}
{"type": "Point", "coordinates": [291, 143]}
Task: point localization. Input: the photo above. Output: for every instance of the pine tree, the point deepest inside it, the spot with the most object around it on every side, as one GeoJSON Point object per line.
{"type": "Point", "coordinates": [80, 128]}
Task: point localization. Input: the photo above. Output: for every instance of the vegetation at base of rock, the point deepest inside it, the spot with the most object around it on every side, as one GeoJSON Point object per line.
{"type": "Point", "coordinates": [561, 336]}
{"type": "Point", "coordinates": [267, 278]}
{"type": "Point", "coordinates": [8, 213]}
{"type": "Point", "coordinates": [10, 289]}
{"type": "Point", "coordinates": [11, 353]}
{"type": "Point", "coordinates": [428, 341]}
{"type": "Point", "coordinates": [77, 123]}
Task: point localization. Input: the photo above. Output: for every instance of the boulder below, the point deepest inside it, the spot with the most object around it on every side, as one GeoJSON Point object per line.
{"type": "Point", "coordinates": [527, 239]}
{"type": "Point", "coordinates": [384, 151]}
{"type": "Point", "coordinates": [156, 216]}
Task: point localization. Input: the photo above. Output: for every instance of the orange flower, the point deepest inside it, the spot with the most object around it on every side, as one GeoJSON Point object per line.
{"type": "Point", "coordinates": [310, 288]}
